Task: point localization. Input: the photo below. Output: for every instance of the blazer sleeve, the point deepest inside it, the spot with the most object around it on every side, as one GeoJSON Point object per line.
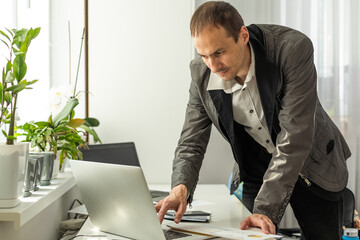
{"type": "Point", "coordinates": [296, 119]}
{"type": "Point", "coordinates": [193, 142]}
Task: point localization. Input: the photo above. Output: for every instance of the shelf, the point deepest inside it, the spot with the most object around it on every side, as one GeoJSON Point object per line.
{"type": "Point", "coordinates": [39, 200]}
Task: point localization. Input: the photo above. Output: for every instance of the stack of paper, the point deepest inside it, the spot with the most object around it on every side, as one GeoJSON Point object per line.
{"type": "Point", "coordinates": [228, 233]}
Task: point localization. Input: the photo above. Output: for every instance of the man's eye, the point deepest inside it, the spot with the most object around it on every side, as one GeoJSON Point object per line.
{"type": "Point", "coordinates": [219, 53]}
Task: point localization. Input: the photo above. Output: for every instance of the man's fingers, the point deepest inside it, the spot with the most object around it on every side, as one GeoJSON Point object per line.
{"type": "Point", "coordinates": [265, 227]}
{"type": "Point", "coordinates": [158, 205]}
{"type": "Point", "coordinates": [180, 212]}
{"type": "Point", "coordinates": [163, 208]}
{"type": "Point", "coordinates": [259, 220]}
{"type": "Point", "coordinates": [245, 223]}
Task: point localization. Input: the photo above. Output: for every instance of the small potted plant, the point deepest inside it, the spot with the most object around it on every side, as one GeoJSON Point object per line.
{"type": "Point", "coordinates": [63, 135]}
{"type": "Point", "coordinates": [13, 157]}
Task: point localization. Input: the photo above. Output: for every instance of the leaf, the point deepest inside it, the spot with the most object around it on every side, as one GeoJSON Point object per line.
{"type": "Point", "coordinates": [16, 88]}
{"type": "Point", "coordinates": [4, 133]}
{"type": "Point", "coordinates": [50, 119]}
{"type": "Point", "coordinates": [25, 45]}
{"type": "Point", "coordinates": [3, 75]}
{"type": "Point", "coordinates": [76, 122]}
{"type": "Point", "coordinates": [12, 34]}
{"type": "Point", "coordinates": [15, 51]}
{"type": "Point", "coordinates": [35, 33]}
{"type": "Point", "coordinates": [31, 34]}
{"type": "Point", "coordinates": [11, 137]}
{"type": "Point", "coordinates": [19, 37]}
{"type": "Point", "coordinates": [91, 122]}
{"type": "Point", "coordinates": [5, 35]}
{"type": "Point", "coordinates": [5, 43]}
{"type": "Point", "coordinates": [91, 132]}
{"type": "Point", "coordinates": [8, 66]}
{"type": "Point", "coordinates": [19, 67]}
{"type": "Point", "coordinates": [32, 82]}
{"type": "Point", "coordinates": [42, 124]}
{"type": "Point", "coordinates": [1, 94]}
{"type": "Point", "coordinates": [9, 77]}
{"type": "Point", "coordinates": [65, 112]}
{"type": "Point", "coordinates": [8, 97]}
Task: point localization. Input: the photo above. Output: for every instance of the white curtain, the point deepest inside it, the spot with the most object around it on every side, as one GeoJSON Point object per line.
{"type": "Point", "coordinates": [334, 28]}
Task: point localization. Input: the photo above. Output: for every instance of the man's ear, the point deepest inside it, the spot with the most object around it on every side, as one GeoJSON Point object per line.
{"type": "Point", "coordinates": [243, 35]}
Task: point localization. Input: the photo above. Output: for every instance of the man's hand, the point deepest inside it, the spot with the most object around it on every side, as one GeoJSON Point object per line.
{"type": "Point", "coordinates": [259, 220]}
{"type": "Point", "coordinates": [177, 200]}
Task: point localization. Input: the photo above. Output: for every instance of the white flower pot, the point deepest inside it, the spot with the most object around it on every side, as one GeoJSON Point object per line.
{"type": "Point", "coordinates": [64, 165]}
{"type": "Point", "coordinates": [13, 162]}
{"type": "Point", "coordinates": [56, 167]}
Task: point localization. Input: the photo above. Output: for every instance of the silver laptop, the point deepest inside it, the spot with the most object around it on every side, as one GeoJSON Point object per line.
{"type": "Point", "coordinates": [118, 153]}
{"type": "Point", "coordinates": [118, 201]}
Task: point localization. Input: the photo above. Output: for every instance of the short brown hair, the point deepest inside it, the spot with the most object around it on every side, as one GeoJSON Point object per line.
{"type": "Point", "coordinates": [217, 14]}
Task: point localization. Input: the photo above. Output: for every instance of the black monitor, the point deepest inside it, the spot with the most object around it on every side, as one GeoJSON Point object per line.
{"type": "Point", "coordinates": [115, 153]}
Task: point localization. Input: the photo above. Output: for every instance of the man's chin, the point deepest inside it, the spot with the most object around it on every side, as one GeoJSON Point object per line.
{"type": "Point", "coordinates": [225, 78]}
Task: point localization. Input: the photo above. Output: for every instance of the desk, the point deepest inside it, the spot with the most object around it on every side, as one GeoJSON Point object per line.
{"type": "Point", "coordinates": [227, 210]}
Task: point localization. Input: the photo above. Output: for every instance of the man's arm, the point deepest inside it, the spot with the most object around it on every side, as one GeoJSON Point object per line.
{"type": "Point", "coordinates": [189, 153]}
{"type": "Point", "coordinates": [194, 138]}
{"type": "Point", "coordinates": [294, 141]}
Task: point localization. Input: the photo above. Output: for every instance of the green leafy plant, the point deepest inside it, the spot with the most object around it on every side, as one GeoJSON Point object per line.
{"type": "Point", "coordinates": [61, 133]}
{"type": "Point", "coordinates": [13, 74]}
{"type": "Point", "coordinates": [64, 133]}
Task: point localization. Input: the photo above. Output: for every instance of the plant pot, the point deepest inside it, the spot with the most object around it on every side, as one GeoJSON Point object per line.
{"type": "Point", "coordinates": [64, 165]}
{"type": "Point", "coordinates": [47, 168]}
{"type": "Point", "coordinates": [56, 166]}
{"type": "Point", "coordinates": [13, 162]}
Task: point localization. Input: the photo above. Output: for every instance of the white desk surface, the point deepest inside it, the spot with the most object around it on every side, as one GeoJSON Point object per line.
{"type": "Point", "coordinates": [226, 209]}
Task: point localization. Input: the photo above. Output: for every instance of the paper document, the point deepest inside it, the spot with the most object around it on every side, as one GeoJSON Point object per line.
{"type": "Point", "coordinates": [231, 233]}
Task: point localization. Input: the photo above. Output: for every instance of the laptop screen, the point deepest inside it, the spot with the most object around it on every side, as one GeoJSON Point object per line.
{"type": "Point", "coordinates": [115, 153]}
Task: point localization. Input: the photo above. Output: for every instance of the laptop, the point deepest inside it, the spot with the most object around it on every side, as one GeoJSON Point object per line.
{"type": "Point", "coordinates": [118, 201]}
{"type": "Point", "coordinates": [118, 153]}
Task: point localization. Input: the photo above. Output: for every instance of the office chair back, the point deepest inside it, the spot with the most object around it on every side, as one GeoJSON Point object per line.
{"type": "Point", "coordinates": [349, 208]}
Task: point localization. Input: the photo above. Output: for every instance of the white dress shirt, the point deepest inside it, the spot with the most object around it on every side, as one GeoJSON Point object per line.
{"type": "Point", "coordinates": [246, 104]}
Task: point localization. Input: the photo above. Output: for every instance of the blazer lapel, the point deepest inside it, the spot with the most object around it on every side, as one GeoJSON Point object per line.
{"type": "Point", "coordinates": [223, 105]}
{"type": "Point", "coordinates": [267, 76]}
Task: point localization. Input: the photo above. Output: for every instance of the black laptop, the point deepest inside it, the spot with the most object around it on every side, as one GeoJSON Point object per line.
{"type": "Point", "coordinates": [115, 153]}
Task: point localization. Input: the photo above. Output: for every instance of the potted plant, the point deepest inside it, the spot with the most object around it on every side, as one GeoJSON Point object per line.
{"type": "Point", "coordinates": [13, 157]}
{"type": "Point", "coordinates": [61, 134]}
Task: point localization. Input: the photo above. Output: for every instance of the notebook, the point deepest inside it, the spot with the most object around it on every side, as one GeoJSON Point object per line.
{"type": "Point", "coordinates": [118, 153]}
{"type": "Point", "coordinates": [118, 201]}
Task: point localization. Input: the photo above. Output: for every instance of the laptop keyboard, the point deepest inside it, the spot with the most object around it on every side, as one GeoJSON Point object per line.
{"type": "Point", "coordinates": [169, 234]}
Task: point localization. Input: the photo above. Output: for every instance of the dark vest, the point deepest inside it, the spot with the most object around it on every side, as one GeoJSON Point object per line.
{"type": "Point", "coordinates": [253, 159]}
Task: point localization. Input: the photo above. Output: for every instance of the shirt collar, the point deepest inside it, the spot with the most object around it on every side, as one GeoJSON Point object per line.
{"type": "Point", "coordinates": [230, 86]}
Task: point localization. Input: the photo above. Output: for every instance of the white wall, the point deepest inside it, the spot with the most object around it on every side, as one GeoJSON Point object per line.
{"type": "Point", "coordinates": [139, 54]}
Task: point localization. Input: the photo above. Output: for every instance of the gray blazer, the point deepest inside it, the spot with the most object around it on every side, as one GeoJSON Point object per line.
{"type": "Point", "coordinates": [307, 142]}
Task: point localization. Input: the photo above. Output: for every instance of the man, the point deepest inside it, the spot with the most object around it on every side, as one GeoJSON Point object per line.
{"type": "Point", "coordinates": [257, 86]}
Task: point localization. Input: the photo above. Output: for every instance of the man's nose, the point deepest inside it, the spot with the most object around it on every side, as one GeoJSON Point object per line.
{"type": "Point", "coordinates": [213, 64]}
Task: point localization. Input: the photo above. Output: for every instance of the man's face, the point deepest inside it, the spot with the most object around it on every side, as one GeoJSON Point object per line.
{"type": "Point", "coordinates": [222, 54]}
